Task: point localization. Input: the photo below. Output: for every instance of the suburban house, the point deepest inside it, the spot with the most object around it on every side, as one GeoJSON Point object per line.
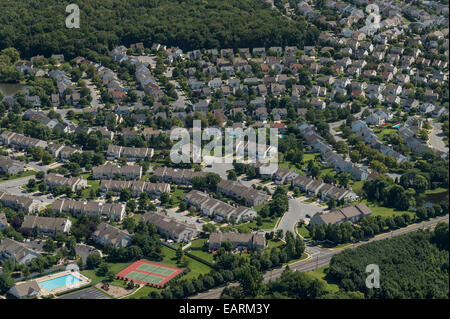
{"type": "Point", "coordinates": [25, 290]}
{"type": "Point", "coordinates": [111, 171]}
{"type": "Point", "coordinates": [20, 141]}
{"type": "Point", "coordinates": [9, 166]}
{"type": "Point", "coordinates": [352, 214]}
{"type": "Point", "coordinates": [111, 211]}
{"type": "Point", "coordinates": [16, 251]}
{"type": "Point", "coordinates": [154, 190]}
{"type": "Point", "coordinates": [20, 203]}
{"type": "Point", "coordinates": [75, 183]}
{"type": "Point", "coordinates": [176, 175]}
{"type": "Point", "coordinates": [3, 221]}
{"type": "Point", "coordinates": [107, 234]}
{"type": "Point", "coordinates": [115, 152]}
{"type": "Point", "coordinates": [249, 195]}
{"type": "Point", "coordinates": [61, 151]}
{"type": "Point", "coordinates": [240, 241]}
{"type": "Point", "coordinates": [46, 225]}
{"type": "Point", "coordinates": [170, 228]}
{"type": "Point", "coordinates": [217, 209]}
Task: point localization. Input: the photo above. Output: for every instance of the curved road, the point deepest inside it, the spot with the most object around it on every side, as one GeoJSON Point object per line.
{"type": "Point", "coordinates": [325, 256]}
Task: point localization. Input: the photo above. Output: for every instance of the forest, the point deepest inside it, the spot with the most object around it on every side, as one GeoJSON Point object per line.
{"type": "Point", "coordinates": [38, 27]}
{"type": "Point", "coordinates": [412, 266]}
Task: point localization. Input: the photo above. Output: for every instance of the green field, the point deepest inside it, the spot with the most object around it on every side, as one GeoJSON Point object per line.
{"type": "Point", "coordinates": [321, 273]}
{"type": "Point", "coordinates": [304, 232]}
{"type": "Point", "coordinates": [385, 211]}
{"type": "Point", "coordinates": [203, 255]}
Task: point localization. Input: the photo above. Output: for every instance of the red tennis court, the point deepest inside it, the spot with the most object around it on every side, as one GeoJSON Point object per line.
{"type": "Point", "coordinates": [148, 273]}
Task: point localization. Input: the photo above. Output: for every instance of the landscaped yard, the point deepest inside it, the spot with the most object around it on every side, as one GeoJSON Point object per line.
{"type": "Point", "coordinates": [20, 175]}
{"type": "Point", "coordinates": [381, 132]}
{"type": "Point", "coordinates": [268, 224]}
{"type": "Point", "coordinates": [304, 232]}
{"type": "Point", "coordinates": [385, 211]}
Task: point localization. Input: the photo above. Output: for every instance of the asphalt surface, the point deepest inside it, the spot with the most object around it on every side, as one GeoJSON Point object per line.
{"type": "Point", "coordinates": [322, 257]}
{"type": "Point", "coordinates": [13, 187]}
{"type": "Point", "coordinates": [435, 138]}
{"type": "Point", "coordinates": [297, 210]}
{"type": "Point", "coordinates": [89, 293]}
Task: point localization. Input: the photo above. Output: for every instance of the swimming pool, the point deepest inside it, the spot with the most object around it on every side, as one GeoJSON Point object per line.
{"type": "Point", "coordinates": [63, 281]}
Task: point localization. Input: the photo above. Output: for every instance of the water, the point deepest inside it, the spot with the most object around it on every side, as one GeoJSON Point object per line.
{"type": "Point", "coordinates": [9, 89]}
{"type": "Point", "coordinates": [63, 281]}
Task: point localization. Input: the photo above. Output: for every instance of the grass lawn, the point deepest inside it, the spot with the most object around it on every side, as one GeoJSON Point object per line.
{"type": "Point", "coordinates": [178, 195]}
{"type": "Point", "coordinates": [267, 224]}
{"type": "Point", "coordinates": [304, 232]}
{"type": "Point", "coordinates": [385, 211]}
{"type": "Point", "coordinates": [274, 243]}
{"type": "Point", "coordinates": [384, 131]}
{"type": "Point", "coordinates": [436, 191]}
{"type": "Point", "coordinates": [321, 273]}
{"type": "Point", "coordinates": [203, 255]}
{"type": "Point", "coordinates": [289, 165]}
{"type": "Point", "coordinates": [309, 156]}
{"type": "Point", "coordinates": [86, 193]}
{"type": "Point", "coordinates": [198, 243]}
{"type": "Point", "coordinates": [325, 171]}
{"type": "Point", "coordinates": [20, 175]}
{"type": "Point", "coordinates": [357, 185]}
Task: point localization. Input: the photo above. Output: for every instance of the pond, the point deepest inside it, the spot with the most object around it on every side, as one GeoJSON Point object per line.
{"type": "Point", "coordinates": [9, 89]}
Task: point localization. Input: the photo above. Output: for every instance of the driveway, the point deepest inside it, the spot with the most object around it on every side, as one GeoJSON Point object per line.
{"type": "Point", "coordinates": [435, 139]}
{"type": "Point", "coordinates": [297, 210]}
{"type": "Point", "coordinates": [84, 251]}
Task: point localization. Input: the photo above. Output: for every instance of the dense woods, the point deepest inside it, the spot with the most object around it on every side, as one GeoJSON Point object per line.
{"type": "Point", "coordinates": [38, 27]}
{"type": "Point", "coordinates": [414, 265]}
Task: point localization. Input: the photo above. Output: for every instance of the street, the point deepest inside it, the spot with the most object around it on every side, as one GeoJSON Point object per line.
{"type": "Point", "coordinates": [297, 210]}
{"type": "Point", "coordinates": [435, 139]}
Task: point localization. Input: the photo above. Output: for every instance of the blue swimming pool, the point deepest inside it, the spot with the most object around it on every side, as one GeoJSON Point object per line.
{"type": "Point", "coordinates": [59, 282]}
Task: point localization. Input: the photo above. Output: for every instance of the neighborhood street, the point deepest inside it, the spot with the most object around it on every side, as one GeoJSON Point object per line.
{"type": "Point", "coordinates": [435, 139]}
{"type": "Point", "coordinates": [297, 210]}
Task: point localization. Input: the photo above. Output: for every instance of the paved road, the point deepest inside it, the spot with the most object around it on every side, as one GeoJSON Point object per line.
{"type": "Point", "coordinates": [182, 101]}
{"type": "Point", "coordinates": [435, 139]}
{"type": "Point", "coordinates": [95, 97]}
{"type": "Point", "coordinates": [333, 125]}
{"type": "Point", "coordinates": [297, 210]}
{"type": "Point", "coordinates": [323, 257]}
{"type": "Point", "coordinates": [13, 187]}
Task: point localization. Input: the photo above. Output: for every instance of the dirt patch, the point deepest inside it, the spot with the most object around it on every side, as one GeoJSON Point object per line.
{"type": "Point", "coordinates": [114, 291]}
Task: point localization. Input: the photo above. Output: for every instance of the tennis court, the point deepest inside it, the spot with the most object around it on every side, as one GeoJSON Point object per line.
{"type": "Point", "coordinates": [156, 269]}
{"type": "Point", "coordinates": [149, 273]}
{"type": "Point", "coordinates": [145, 277]}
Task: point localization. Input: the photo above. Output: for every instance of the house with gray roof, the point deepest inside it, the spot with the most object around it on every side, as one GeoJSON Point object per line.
{"type": "Point", "coordinates": [170, 228]}
{"type": "Point", "coordinates": [16, 251]}
{"type": "Point", "coordinates": [107, 234]}
{"type": "Point", "coordinates": [240, 241]}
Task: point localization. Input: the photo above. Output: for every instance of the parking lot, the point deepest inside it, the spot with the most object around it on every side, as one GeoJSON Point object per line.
{"type": "Point", "coordinates": [89, 293]}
